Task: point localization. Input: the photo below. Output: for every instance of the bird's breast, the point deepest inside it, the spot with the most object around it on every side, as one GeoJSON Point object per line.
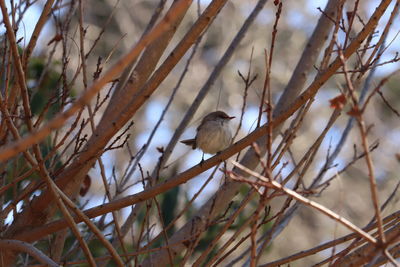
{"type": "Point", "coordinates": [213, 137]}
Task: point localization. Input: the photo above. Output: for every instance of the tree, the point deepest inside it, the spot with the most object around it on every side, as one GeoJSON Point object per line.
{"type": "Point", "coordinates": [90, 119]}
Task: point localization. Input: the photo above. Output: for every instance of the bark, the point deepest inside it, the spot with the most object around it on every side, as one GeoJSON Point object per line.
{"type": "Point", "coordinates": [222, 198]}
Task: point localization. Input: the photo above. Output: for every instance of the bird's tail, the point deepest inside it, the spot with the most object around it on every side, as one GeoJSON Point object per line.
{"type": "Point", "coordinates": [190, 142]}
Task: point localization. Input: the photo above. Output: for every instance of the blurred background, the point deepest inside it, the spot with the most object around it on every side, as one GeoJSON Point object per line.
{"type": "Point", "coordinates": [121, 24]}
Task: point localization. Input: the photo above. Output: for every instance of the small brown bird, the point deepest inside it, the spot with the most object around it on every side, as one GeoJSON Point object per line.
{"type": "Point", "coordinates": [213, 134]}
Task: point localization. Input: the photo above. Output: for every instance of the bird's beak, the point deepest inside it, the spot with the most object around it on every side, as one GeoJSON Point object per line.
{"type": "Point", "coordinates": [229, 118]}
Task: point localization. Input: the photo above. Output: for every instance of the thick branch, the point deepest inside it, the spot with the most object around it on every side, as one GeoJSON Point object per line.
{"type": "Point", "coordinates": [225, 194]}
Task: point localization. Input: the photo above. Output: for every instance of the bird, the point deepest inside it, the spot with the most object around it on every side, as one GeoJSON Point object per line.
{"type": "Point", "coordinates": [213, 134]}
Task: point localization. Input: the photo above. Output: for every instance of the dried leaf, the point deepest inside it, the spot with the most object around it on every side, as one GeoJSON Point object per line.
{"type": "Point", "coordinates": [338, 102]}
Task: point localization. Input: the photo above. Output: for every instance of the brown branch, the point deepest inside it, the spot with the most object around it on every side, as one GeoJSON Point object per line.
{"type": "Point", "coordinates": [92, 227]}
{"type": "Point", "coordinates": [363, 134]}
{"type": "Point", "coordinates": [36, 32]}
{"type": "Point", "coordinates": [59, 120]}
{"type": "Point", "coordinates": [18, 68]}
{"type": "Point", "coordinates": [41, 204]}
{"type": "Point", "coordinates": [7, 244]}
{"type": "Point", "coordinates": [240, 145]}
{"type": "Point", "coordinates": [329, 244]}
{"type": "Point", "coordinates": [277, 186]}
{"type": "Point", "coordinates": [54, 190]}
{"type": "Point", "coordinates": [229, 190]}
{"type": "Point", "coordinates": [202, 93]}
{"type": "Point", "coordinates": [365, 253]}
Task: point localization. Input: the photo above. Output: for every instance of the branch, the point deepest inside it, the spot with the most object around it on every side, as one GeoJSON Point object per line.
{"type": "Point", "coordinates": [7, 244]}
{"type": "Point", "coordinates": [277, 186]}
{"type": "Point", "coordinates": [60, 119]}
{"type": "Point", "coordinates": [41, 204]}
{"type": "Point", "coordinates": [225, 194]}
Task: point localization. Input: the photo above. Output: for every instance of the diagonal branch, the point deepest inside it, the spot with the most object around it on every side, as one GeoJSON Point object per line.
{"type": "Point", "coordinates": [59, 120]}
{"type": "Point", "coordinates": [7, 244]}
{"type": "Point", "coordinates": [225, 194]}
{"type": "Point", "coordinates": [293, 194]}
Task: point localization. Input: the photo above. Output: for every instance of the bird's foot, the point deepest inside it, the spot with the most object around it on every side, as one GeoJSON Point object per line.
{"type": "Point", "coordinates": [202, 160]}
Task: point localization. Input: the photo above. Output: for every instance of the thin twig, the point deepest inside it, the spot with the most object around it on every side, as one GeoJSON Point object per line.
{"type": "Point", "coordinates": [300, 198]}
